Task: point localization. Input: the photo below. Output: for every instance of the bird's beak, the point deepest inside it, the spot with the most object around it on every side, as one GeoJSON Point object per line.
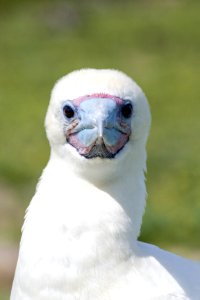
{"type": "Point", "coordinates": [102, 130]}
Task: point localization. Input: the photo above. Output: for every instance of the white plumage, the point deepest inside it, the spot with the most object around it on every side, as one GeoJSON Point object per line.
{"type": "Point", "coordinates": [79, 238]}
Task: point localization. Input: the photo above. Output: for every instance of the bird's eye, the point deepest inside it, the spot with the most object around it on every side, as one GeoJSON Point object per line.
{"type": "Point", "coordinates": [68, 111]}
{"type": "Point", "coordinates": [127, 110]}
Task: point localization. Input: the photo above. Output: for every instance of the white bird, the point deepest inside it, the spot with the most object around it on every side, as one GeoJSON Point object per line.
{"type": "Point", "coordinates": [79, 239]}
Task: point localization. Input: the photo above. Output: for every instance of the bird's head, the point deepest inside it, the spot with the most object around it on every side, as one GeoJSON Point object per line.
{"type": "Point", "coordinates": [97, 116]}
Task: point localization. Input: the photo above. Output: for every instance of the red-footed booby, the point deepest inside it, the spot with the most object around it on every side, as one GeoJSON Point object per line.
{"type": "Point", "coordinates": [79, 239]}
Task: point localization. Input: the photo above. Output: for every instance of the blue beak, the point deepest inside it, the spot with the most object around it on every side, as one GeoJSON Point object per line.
{"type": "Point", "coordinates": [99, 127]}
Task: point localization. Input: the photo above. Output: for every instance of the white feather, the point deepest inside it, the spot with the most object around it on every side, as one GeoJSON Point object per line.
{"type": "Point", "coordinates": [79, 238]}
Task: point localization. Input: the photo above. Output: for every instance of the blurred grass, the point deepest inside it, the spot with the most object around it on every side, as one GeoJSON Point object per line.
{"type": "Point", "coordinates": [157, 43]}
{"type": "Point", "coordinates": [4, 295]}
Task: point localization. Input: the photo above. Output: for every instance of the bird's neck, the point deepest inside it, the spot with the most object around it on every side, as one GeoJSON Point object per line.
{"type": "Point", "coordinates": [80, 229]}
{"type": "Point", "coordinates": [119, 202]}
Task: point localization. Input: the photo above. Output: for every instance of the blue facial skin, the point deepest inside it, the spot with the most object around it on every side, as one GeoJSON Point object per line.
{"type": "Point", "coordinates": [101, 123]}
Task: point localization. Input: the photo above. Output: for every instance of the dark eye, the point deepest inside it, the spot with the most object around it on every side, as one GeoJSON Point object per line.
{"type": "Point", "coordinates": [68, 111]}
{"type": "Point", "coordinates": [127, 110]}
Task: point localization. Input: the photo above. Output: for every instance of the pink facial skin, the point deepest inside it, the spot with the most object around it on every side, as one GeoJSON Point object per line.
{"type": "Point", "coordinates": [78, 100]}
{"type": "Point", "coordinates": [84, 136]}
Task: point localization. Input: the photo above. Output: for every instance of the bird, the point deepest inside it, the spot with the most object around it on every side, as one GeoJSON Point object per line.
{"type": "Point", "coordinates": [80, 233]}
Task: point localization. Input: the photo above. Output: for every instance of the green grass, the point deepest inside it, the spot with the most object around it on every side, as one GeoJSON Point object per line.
{"type": "Point", "coordinates": [5, 295]}
{"type": "Point", "coordinates": [157, 43]}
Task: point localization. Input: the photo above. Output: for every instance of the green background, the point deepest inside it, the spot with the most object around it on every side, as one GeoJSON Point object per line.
{"type": "Point", "coordinates": [155, 42]}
